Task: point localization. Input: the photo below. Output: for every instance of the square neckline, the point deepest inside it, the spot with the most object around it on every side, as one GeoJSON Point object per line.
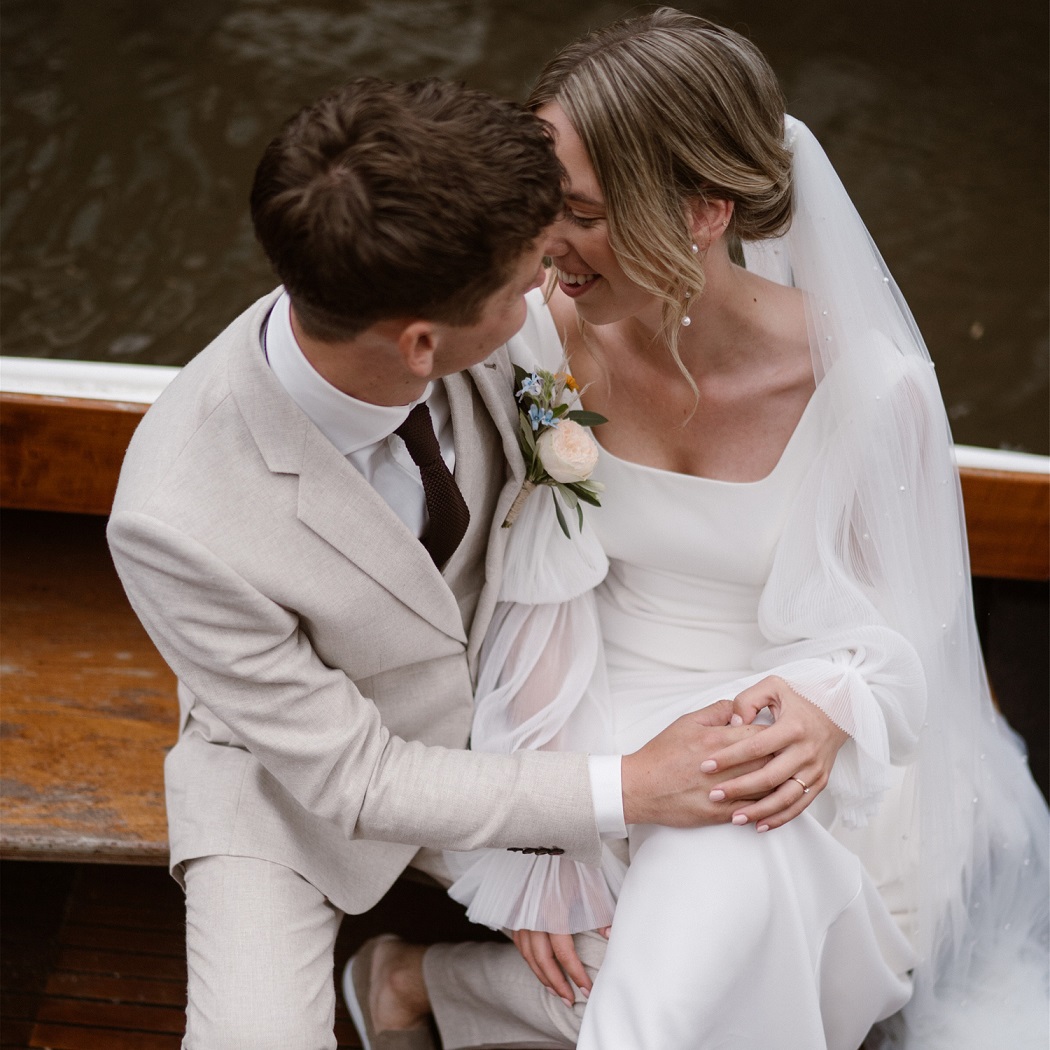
{"type": "Point", "coordinates": [793, 439]}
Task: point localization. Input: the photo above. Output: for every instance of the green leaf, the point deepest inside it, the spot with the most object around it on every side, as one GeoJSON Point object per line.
{"type": "Point", "coordinates": [527, 436]}
{"type": "Point", "coordinates": [579, 514]}
{"type": "Point", "coordinates": [586, 419]}
{"type": "Point", "coordinates": [585, 494]}
{"type": "Point", "coordinates": [561, 517]}
{"type": "Point", "coordinates": [560, 410]}
{"type": "Point", "coordinates": [567, 494]}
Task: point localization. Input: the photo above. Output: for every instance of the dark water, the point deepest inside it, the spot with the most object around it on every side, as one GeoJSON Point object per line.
{"type": "Point", "coordinates": [130, 130]}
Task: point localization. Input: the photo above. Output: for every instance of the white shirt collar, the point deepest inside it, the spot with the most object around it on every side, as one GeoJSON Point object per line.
{"type": "Point", "coordinates": [350, 424]}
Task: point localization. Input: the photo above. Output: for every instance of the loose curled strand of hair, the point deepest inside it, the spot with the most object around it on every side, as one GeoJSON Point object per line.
{"type": "Point", "coordinates": [674, 111]}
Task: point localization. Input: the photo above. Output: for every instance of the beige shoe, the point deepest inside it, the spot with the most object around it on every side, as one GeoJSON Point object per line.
{"type": "Point", "coordinates": [357, 983]}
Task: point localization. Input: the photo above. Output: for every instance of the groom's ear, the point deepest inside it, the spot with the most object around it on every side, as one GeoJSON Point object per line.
{"type": "Point", "coordinates": [416, 343]}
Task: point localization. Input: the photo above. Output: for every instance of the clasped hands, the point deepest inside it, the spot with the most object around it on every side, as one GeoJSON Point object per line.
{"type": "Point", "coordinates": [712, 766]}
{"type": "Point", "coordinates": [716, 765]}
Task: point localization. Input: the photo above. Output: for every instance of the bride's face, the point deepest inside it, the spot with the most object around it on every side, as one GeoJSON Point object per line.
{"type": "Point", "coordinates": [588, 270]}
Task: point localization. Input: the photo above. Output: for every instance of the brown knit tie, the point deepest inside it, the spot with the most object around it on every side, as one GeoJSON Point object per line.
{"type": "Point", "coordinates": [449, 515]}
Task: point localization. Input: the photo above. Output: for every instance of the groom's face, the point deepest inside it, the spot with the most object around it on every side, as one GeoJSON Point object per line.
{"type": "Point", "coordinates": [502, 315]}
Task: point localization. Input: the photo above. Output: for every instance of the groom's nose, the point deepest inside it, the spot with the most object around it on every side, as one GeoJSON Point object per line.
{"type": "Point", "coordinates": [555, 243]}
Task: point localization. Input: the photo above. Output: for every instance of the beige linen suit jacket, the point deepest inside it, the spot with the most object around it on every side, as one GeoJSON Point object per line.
{"type": "Point", "coordinates": [325, 665]}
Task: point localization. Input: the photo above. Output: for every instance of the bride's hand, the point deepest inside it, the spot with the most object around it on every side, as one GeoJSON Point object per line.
{"type": "Point", "coordinates": [550, 957]}
{"type": "Point", "coordinates": [665, 781]}
{"type": "Point", "coordinates": [800, 748]}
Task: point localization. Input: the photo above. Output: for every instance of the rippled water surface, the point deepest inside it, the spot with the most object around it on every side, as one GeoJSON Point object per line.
{"type": "Point", "coordinates": [130, 130]}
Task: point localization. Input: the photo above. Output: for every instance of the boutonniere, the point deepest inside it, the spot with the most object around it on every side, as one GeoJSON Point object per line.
{"type": "Point", "coordinates": [555, 439]}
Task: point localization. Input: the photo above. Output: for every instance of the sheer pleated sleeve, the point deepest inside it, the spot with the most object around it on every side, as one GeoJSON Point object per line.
{"type": "Point", "coordinates": [541, 685]}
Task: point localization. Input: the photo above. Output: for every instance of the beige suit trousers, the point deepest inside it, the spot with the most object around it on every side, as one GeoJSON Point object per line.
{"type": "Point", "coordinates": [259, 949]}
{"type": "Point", "coordinates": [484, 995]}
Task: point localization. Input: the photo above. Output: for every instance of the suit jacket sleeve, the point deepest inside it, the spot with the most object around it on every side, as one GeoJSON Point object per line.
{"type": "Point", "coordinates": [310, 727]}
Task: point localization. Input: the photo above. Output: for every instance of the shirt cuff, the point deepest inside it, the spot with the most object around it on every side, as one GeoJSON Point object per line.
{"type": "Point", "coordinates": [607, 792]}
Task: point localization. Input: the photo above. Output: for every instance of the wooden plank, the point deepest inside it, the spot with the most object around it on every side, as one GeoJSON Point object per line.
{"type": "Point", "coordinates": [148, 941]}
{"type": "Point", "coordinates": [50, 1036]}
{"type": "Point", "coordinates": [16, 1019]}
{"type": "Point", "coordinates": [116, 912]}
{"type": "Point", "coordinates": [89, 706]}
{"type": "Point", "coordinates": [118, 986]}
{"type": "Point", "coordinates": [125, 964]}
{"type": "Point", "coordinates": [1007, 523]}
{"type": "Point", "coordinates": [63, 453]}
{"type": "Point", "coordinates": [119, 1014]}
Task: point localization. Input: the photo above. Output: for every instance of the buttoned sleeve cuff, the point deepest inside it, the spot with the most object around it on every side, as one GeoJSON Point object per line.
{"type": "Point", "coordinates": [607, 792]}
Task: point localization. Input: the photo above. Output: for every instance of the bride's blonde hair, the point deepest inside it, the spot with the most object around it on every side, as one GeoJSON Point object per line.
{"type": "Point", "coordinates": [672, 110]}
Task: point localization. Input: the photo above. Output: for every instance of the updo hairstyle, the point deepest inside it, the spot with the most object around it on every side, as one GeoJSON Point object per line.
{"type": "Point", "coordinates": [673, 109]}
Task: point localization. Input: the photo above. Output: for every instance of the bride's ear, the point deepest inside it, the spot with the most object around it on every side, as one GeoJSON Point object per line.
{"type": "Point", "coordinates": [709, 220]}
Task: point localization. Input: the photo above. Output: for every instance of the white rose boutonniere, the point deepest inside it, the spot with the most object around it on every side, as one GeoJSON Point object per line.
{"type": "Point", "coordinates": [568, 452]}
{"type": "Point", "coordinates": [556, 441]}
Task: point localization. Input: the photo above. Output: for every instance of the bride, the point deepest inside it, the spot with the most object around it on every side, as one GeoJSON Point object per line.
{"type": "Point", "coordinates": [780, 526]}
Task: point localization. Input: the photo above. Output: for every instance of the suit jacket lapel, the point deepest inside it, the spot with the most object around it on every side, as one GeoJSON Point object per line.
{"type": "Point", "coordinates": [335, 501]}
{"type": "Point", "coordinates": [495, 382]}
{"type": "Point", "coordinates": [469, 470]}
{"type": "Point", "coordinates": [494, 379]}
{"type": "Point", "coordinates": [341, 507]}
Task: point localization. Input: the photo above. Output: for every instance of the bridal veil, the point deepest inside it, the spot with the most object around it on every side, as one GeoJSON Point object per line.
{"type": "Point", "coordinates": [868, 613]}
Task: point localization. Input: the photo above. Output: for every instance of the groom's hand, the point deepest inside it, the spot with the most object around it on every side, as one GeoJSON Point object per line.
{"type": "Point", "coordinates": [663, 782]}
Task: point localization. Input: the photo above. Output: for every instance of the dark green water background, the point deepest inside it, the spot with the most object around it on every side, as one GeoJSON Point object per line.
{"type": "Point", "coordinates": [129, 130]}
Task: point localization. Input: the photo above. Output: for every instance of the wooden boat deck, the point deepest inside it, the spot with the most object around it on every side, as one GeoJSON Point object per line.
{"type": "Point", "coordinates": [93, 957]}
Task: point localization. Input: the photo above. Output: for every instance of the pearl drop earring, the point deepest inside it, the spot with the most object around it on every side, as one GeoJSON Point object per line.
{"type": "Point", "coordinates": [687, 320]}
{"type": "Point", "coordinates": [695, 249]}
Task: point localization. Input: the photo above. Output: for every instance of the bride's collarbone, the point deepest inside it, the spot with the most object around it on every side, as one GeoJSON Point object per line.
{"type": "Point", "coordinates": [737, 440]}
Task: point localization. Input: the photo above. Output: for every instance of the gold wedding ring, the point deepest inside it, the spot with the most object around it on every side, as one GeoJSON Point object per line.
{"type": "Point", "coordinates": [801, 783]}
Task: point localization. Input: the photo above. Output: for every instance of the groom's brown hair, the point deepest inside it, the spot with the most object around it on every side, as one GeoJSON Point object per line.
{"type": "Point", "coordinates": [386, 200]}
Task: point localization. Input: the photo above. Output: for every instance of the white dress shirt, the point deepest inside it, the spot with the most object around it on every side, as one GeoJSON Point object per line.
{"type": "Point", "coordinates": [364, 433]}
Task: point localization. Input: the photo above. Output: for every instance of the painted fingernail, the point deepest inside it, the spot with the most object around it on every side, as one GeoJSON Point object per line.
{"type": "Point", "coordinates": [736, 720]}
{"type": "Point", "coordinates": [568, 1002]}
{"type": "Point", "coordinates": [585, 993]}
{"type": "Point", "coordinates": [761, 828]}
{"type": "Point", "coordinates": [739, 819]}
{"type": "Point", "coordinates": [717, 795]}
{"type": "Point", "coordinates": [709, 766]}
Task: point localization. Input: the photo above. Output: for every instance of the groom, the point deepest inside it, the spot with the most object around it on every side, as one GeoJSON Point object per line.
{"type": "Point", "coordinates": [321, 597]}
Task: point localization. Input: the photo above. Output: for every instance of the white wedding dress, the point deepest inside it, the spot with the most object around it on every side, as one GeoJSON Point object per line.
{"type": "Point", "coordinates": [706, 919]}
{"type": "Point", "coordinates": [787, 938]}
{"type": "Point", "coordinates": [845, 572]}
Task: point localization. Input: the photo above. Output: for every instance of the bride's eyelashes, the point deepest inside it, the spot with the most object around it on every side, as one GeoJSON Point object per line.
{"type": "Point", "coordinates": [585, 222]}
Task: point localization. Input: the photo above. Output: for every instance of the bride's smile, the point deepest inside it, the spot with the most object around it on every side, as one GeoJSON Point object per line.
{"type": "Point", "coordinates": [587, 268]}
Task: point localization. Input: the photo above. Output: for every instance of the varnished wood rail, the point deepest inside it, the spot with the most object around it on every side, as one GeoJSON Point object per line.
{"type": "Point", "coordinates": [63, 452]}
